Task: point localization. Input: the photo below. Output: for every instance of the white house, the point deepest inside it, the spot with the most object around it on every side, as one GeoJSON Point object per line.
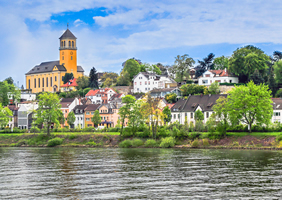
{"type": "Point", "coordinates": [221, 76]}
{"type": "Point", "coordinates": [145, 82]}
{"type": "Point", "coordinates": [100, 96]}
{"type": "Point", "coordinates": [277, 110]}
{"type": "Point", "coordinates": [25, 114]}
{"type": "Point", "coordinates": [79, 116]}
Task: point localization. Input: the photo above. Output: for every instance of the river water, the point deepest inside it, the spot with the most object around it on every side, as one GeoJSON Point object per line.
{"type": "Point", "coordinates": [93, 173]}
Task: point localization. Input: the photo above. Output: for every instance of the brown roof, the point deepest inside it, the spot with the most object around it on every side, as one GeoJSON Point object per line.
{"type": "Point", "coordinates": [92, 107]}
{"type": "Point", "coordinates": [277, 103]}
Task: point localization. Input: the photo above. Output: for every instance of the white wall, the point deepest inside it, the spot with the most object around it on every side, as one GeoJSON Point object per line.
{"type": "Point", "coordinates": [212, 78]}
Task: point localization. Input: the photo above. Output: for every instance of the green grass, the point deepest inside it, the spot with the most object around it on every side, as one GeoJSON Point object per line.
{"type": "Point", "coordinates": [62, 133]}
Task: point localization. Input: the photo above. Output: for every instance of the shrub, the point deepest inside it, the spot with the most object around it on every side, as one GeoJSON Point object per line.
{"type": "Point", "coordinates": [88, 129]}
{"type": "Point", "coordinates": [163, 132]}
{"type": "Point", "coordinates": [195, 143]}
{"type": "Point", "coordinates": [72, 136]}
{"type": "Point", "coordinates": [278, 138]}
{"type": "Point", "coordinates": [54, 142]}
{"type": "Point", "coordinates": [167, 142]}
{"type": "Point", "coordinates": [193, 135]}
{"type": "Point", "coordinates": [113, 130]}
{"type": "Point", "coordinates": [137, 143]}
{"type": "Point", "coordinates": [280, 144]}
{"type": "Point", "coordinates": [35, 130]}
{"type": "Point", "coordinates": [206, 142]}
{"type": "Point", "coordinates": [125, 144]}
{"type": "Point", "coordinates": [151, 143]}
{"type": "Point", "coordinates": [127, 133]}
{"type": "Point", "coordinates": [214, 136]}
{"type": "Point", "coordinates": [91, 143]}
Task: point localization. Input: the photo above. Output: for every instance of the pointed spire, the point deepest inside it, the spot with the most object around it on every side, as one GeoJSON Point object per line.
{"type": "Point", "coordinates": [67, 34]}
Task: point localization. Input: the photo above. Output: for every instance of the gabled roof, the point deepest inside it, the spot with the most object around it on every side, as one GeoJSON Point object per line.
{"type": "Point", "coordinates": [67, 34]}
{"type": "Point", "coordinates": [65, 102]}
{"type": "Point", "coordinates": [92, 107]}
{"type": "Point", "coordinates": [115, 96]}
{"type": "Point", "coordinates": [79, 107]}
{"type": "Point", "coordinates": [277, 104]}
{"type": "Point", "coordinates": [80, 69]}
{"type": "Point", "coordinates": [46, 67]}
{"type": "Point", "coordinates": [221, 73]}
{"type": "Point", "coordinates": [70, 83]}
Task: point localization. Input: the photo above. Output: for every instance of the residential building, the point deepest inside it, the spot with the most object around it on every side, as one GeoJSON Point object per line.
{"type": "Point", "coordinates": [164, 91]}
{"type": "Point", "coordinates": [100, 96]}
{"type": "Point", "coordinates": [109, 115]}
{"type": "Point", "coordinates": [69, 86]}
{"type": "Point", "coordinates": [79, 116]}
{"type": "Point", "coordinates": [14, 119]}
{"type": "Point", "coordinates": [187, 107]}
{"type": "Point", "coordinates": [221, 76]}
{"type": "Point", "coordinates": [48, 75]}
{"type": "Point", "coordinates": [144, 82]}
{"type": "Point", "coordinates": [277, 110]}
{"type": "Point", "coordinates": [88, 114]}
{"type": "Point", "coordinates": [25, 114]}
{"type": "Point", "coordinates": [116, 96]}
{"type": "Point", "coordinates": [67, 105]}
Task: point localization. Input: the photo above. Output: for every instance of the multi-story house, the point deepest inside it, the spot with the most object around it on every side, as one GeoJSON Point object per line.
{"type": "Point", "coordinates": [221, 76]}
{"type": "Point", "coordinates": [109, 115]}
{"type": "Point", "coordinates": [144, 82]}
{"type": "Point", "coordinates": [277, 110]}
{"type": "Point", "coordinates": [25, 114]}
{"type": "Point", "coordinates": [100, 96]}
{"type": "Point", "coordinates": [69, 86]}
{"type": "Point", "coordinates": [88, 114]}
{"type": "Point", "coordinates": [187, 107]}
{"type": "Point", "coordinates": [79, 116]}
{"type": "Point", "coordinates": [67, 105]}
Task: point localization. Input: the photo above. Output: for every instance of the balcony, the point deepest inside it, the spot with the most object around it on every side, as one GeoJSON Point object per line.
{"type": "Point", "coordinates": [72, 48]}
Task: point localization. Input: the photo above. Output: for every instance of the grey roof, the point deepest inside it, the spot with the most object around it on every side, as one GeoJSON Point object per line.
{"type": "Point", "coordinates": [67, 34]}
{"type": "Point", "coordinates": [67, 100]}
{"type": "Point", "coordinates": [206, 102]}
{"type": "Point", "coordinates": [277, 104]}
{"type": "Point", "coordinates": [79, 107]}
{"type": "Point", "coordinates": [80, 69]}
{"type": "Point", "coordinates": [163, 90]}
{"type": "Point", "coordinates": [46, 67]}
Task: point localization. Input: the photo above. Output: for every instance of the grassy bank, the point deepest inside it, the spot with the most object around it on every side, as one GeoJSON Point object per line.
{"type": "Point", "coordinates": [264, 140]}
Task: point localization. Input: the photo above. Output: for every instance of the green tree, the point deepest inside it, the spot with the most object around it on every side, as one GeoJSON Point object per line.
{"type": "Point", "coordinates": [221, 63]}
{"type": "Point", "coordinates": [96, 119]}
{"type": "Point", "coordinates": [48, 111]}
{"type": "Point", "coordinates": [93, 78]}
{"type": "Point", "coordinates": [249, 104]}
{"type": "Point", "coordinates": [132, 67]}
{"type": "Point", "coordinates": [181, 66]}
{"type": "Point", "coordinates": [71, 119]}
{"type": "Point", "coordinates": [125, 110]}
{"type": "Point", "coordinates": [271, 82]}
{"type": "Point", "coordinates": [192, 89]}
{"type": "Point", "coordinates": [5, 116]}
{"type": "Point", "coordinates": [82, 82]}
{"type": "Point", "coordinates": [167, 114]}
{"type": "Point", "coordinates": [7, 90]}
{"type": "Point", "coordinates": [135, 118]}
{"type": "Point", "coordinates": [221, 113]}
{"type": "Point", "coordinates": [256, 77]}
{"type": "Point", "coordinates": [67, 77]}
{"type": "Point", "coordinates": [9, 80]}
{"type": "Point", "coordinates": [123, 79]}
{"type": "Point", "coordinates": [199, 117]}
{"type": "Point", "coordinates": [109, 79]}
{"type": "Point", "coordinates": [278, 72]}
{"type": "Point", "coordinates": [246, 60]}
{"type": "Point", "coordinates": [213, 89]}
{"type": "Point", "coordinates": [205, 64]}
{"type": "Point", "coordinates": [171, 98]}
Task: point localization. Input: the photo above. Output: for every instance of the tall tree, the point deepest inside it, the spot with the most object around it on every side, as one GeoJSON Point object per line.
{"type": "Point", "coordinates": [221, 112]}
{"type": "Point", "coordinates": [125, 110]}
{"type": "Point", "coordinates": [221, 63]}
{"type": "Point", "coordinates": [8, 91]}
{"type": "Point", "coordinates": [96, 119]}
{"type": "Point", "coordinates": [246, 60]}
{"type": "Point", "coordinates": [71, 119]}
{"type": "Point", "coordinates": [135, 118]}
{"type": "Point", "coordinates": [82, 82]}
{"type": "Point", "coordinates": [5, 116]}
{"type": "Point", "coordinates": [257, 78]}
{"type": "Point", "coordinates": [123, 79]}
{"type": "Point", "coordinates": [9, 80]}
{"type": "Point", "coordinates": [249, 104]}
{"type": "Point", "coordinates": [277, 55]}
{"type": "Point", "coordinates": [93, 78]}
{"type": "Point", "coordinates": [48, 111]}
{"type": "Point", "coordinates": [167, 114]}
{"type": "Point", "coordinates": [213, 89]}
{"type": "Point", "coordinates": [171, 98]}
{"type": "Point", "coordinates": [192, 89]}
{"type": "Point", "coordinates": [205, 64]}
{"type": "Point", "coordinates": [278, 72]}
{"type": "Point", "coordinates": [132, 67]}
{"type": "Point", "coordinates": [109, 79]}
{"type": "Point", "coordinates": [181, 67]}
{"type": "Point", "coordinates": [67, 77]}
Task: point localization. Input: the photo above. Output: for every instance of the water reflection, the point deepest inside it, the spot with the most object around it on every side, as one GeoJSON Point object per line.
{"type": "Point", "coordinates": [61, 173]}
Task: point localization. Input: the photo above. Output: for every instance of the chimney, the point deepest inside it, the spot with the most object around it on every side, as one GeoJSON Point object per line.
{"type": "Point", "coordinates": [224, 69]}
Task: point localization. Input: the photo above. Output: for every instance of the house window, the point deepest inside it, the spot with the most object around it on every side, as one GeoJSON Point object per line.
{"type": "Point", "coordinates": [39, 82]}
{"type": "Point", "coordinates": [207, 75]}
{"type": "Point", "coordinates": [51, 81]}
{"type": "Point", "coordinates": [218, 81]}
{"type": "Point", "coordinates": [42, 82]}
{"type": "Point", "coordinates": [87, 113]}
{"type": "Point", "coordinates": [71, 57]}
{"type": "Point", "coordinates": [63, 57]}
{"type": "Point", "coordinates": [191, 115]}
{"type": "Point", "coordinates": [88, 119]}
{"type": "Point", "coordinates": [148, 82]}
{"type": "Point", "coordinates": [92, 113]}
{"type": "Point", "coordinates": [72, 44]}
{"type": "Point", "coordinates": [29, 84]}
{"type": "Point", "coordinates": [174, 116]}
{"type": "Point", "coordinates": [135, 83]}
{"type": "Point", "coordinates": [178, 116]}
{"type": "Point", "coordinates": [276, 114]}
{"type": "Point", "coordinates": [47, 82]}
{"type": "Point", "coordinates": [145, 88]}
{"type": "Point", "coordinates": [145, 82]}
{"type": "Point", "coordinates": [230, 81]}
{"type": "Point", "coordinates": [204, 81]}
{"type": "Point", "coordinates": [140, 83]}
{"type": "Point", "coordinates": [69, 43]}
{"type": "Point", "coordinates": [208, 114]}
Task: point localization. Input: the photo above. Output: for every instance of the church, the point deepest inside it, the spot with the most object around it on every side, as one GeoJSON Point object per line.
{"type": "Point", "coordinates": [48, 75]}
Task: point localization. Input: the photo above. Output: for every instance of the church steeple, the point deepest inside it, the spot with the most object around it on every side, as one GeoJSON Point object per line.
{"type": "Point", "coordinates": [68, 51]}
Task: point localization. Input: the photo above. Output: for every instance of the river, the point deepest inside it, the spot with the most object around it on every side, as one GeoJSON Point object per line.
{"type": "Point", "coordinates": [94, 173]}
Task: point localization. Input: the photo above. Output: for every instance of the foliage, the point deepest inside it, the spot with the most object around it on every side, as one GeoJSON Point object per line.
{"type": "Point", "coordinates": [35, 130]}
{"type": "Point", "coordinates": [278, 72]}
{"type": "Point", "coordinates": [221, 63]}
{"type": "Point", "coordinates": [5, 116]}
{"type": "Point", "coordinates": [67, 77]}
{"type": "Point", "coordinates": [72, 136]}
{"type": "Point", "coordinates": [125, 144]}
{"type": "Point", "coordinates": [82, 82]}
{"type": "Point", "coordinates": [123, 79]}
{"type": "Point", "coordinates": [192, 89]}
{"type": "Point", "coordinates": [9, 80]}
{"type": "Point", "coordinates": [195, 143]}
{"type": "Point", "coordinates": [221, 110]}
{"type": "Point", "coordinates": [109, 79]}
{"type": "Point", "coordinates": [271, 81]}
{"type": "Point", "coordinates": [167, 142]}
{"type": "Point", "coordinates": [163, 132]}
{"type": "Point", "coordinates": [279, 138]}
{"type": "Point", "coordinates": [93, 78]}
{"type": "Point", "coordinates": [171, 98]}
{"type": "Point", "coordinates": [48, 111]}
{"type": "Point", "coordinates": [96, 119]}
{"type": "Point", "coordinates": [257, 78]}
{"type": "Point", "coordinates": [213, 89]}
{"type": "Point", "coordinates": [249, 104]}
{"type": "Point", "coordinates": [125, 110]}
{"type": "Point", "coordinates": [71, 118]}
{"type": "Point", "coordinates": [137, 142]}
{"type": "Point", "coordinates": [132, 67]}
{"type": "Point", "coordinates": [181, 67]}
{"type": "Point", "coordinates": [211, 123]}
{"type": "Point", "coordinates": [167, 114]}
{"type": "Point", "coordinates": [194, 135]}
{"type": "Point", "coordinates": [205, 65]}
{"type": "Point", "coordinates": [244, 61]}
{"type": "Point", "coordinates": [54, 142]}
{"type": "Point", "coordinates": [7, 88]}
{"type": "Point", "coordinates": [151, 143]}
{"type": "Point", "coordinates": [279, 93]}
{"type": "Point", "coordinates": [199, 115]}
{"type": "Point", "coordinates": [135, 118]}
{"type": "Point", "coordinates": [206, 142]}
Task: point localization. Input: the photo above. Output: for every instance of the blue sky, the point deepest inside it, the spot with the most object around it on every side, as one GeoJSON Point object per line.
{"type": "Point", "coordinates": [109, 32]}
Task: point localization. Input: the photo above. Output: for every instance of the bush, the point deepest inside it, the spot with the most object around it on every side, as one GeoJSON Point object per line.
{"type": "Point", "coordinates": [91, 144]}
{"type": "Point", "coordinates": [193, 135]}
{"type": "Point", "coordinates": [163, 132]}
{"type": "Point", "coordinates": [54, 142]}
{"type": "Point", "coordinates": [206, 142]}
{"type": "Point", "coordinates": [214, 136]}
{"type": "Point", "coordinates": [125, 144]}
{"type": "Point", "coordinates": [137, 143]}
{"type": "Point", "coordinates": [88, 129]}
{"type": "Point", "coordinates": [167, 142]}
{"type": "Point", "coordinates": [279, 138]}
{"type": "Point", "coordinates": [144, 134]}
{"type": "Point", "coordinates": [35, 130]}
{"type": "Point", "coordinates": [151, 143]}
{"type": "Point", "coordinates": [72, 136]}
{"type": "Point", "coordinates": [113, 130]}
{"type": "Point", "coordinates": [195, 143]}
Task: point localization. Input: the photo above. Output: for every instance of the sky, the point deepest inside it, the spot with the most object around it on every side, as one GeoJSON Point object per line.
{"type": "Point", "coordinates": [111, 31]}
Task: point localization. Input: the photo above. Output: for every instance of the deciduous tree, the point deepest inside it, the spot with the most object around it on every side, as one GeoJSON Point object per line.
{"type": "Point", "coordinates": [171, 98]}
{"type": "Point", "coordinates": [96, 119]}
{"type": "Point", "coordinates": [5, 116]}
{"type": "Point", "coordinates": [181, 66]}
{"type": "Point", "coordinates": [71, 119]}
{"type": "Point", "coordinates": [82, 82]}
{"type": "Point", "coordinates": [220, 63]}
{"type": "Point", "coordinates": [167, 114]}
{"type": "Point", "coordinates": [221, 113]}
{"type": "Point", "coordinates": [192, 89]}
{"type": "Point", "coordinates": [125, 110]}
{"type": "Point", "coordinates": [67, 77]}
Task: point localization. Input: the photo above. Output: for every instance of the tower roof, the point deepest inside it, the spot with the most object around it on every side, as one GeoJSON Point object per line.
{"type": "Point", "coordinates": [67, 34]}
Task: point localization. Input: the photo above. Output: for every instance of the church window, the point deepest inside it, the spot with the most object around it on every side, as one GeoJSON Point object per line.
{"type": "Point", "coordinates": [39, 82]}
{"type": "Point", "coordinates": [63, 57]}
{"type": "Point", "coordinates": [29, 84]}
{"type": "Point", "coordinates": [42, 82]}
{"type": "Point", "coordinates": [47, 82]}
{"type": "Point", "coordinates": [72, 44]}
{"type": "Point", "coordinates": [69, 44]}
{"type": "Point", "coordinates": [35, 83]}
{"type": "Point", "coordinates": [64, 43]}
{"type": "Point", "coordinates": [55, 78]}
{"type": "Point", "coordinates": [51, 82]}
{"type": "Point", "coordinates": [71, 57]}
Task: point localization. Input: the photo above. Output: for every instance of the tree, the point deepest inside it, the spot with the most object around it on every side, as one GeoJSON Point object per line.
{"type": "Point", "coordinates": [220, 63]}
{"type": "Point", "coordinates": [123, 79]}
{"type": "Point", "coordinates": [199, 117]}
{"type": "Point", "coordinates": [71, 119]}
{"type": "Point", "coordinates": [150, 68]}
{"type": "Point", "coordinates": [135, 118]}
{"type": "Point", "coordinates": [256, 77]}
{"type": "Point", "coordinates": [67, 77]}
{"type": "Point", "coordinates": [171, 98]}
{"type": "Point", "coordinates": [181, 66]}
{"type": "Point", "coordinates": [93, 78]}
{"type": "Point", "coordinates": [96, 119]}
{"type": "Point", "coordinates": [249, 104]}
{"type": "Point", "coordinates": [246, 60]}
{"type": "Point", "coordinates": [221, 113]}
{"type": "Point", "coordinates": [132, 67]}
{"type": "Point", "coordinates": [5, 116]}
{"type": "Point", "coordinates": [109, 79]}
{"type": "Point", "coordinates": [125, 110]}
{"type": "Point", "coordinates": [9, 80]}
{"type": "Point", "coordinates": [48, 111]}
{"type": "Point", "coordinates": [213, 89]}
{"type": "Point", "coordinates": [82, 82]}
{"type": "Point", "coordinates": [278, 72]}
{"type": "Point", "coordinates": [167, 114]}
{"type": "Point", "coordinates": [8, 90]}
{"type": "Point", "coordinates": [192, 89]}
{"type": "Point", "coordinates": [205, 65]}
{"type": "Point", "coordinates": [277, 55]}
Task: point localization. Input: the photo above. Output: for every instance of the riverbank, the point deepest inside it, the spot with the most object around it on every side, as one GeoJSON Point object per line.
{"type": "Point", "coordinates": [264, 141]}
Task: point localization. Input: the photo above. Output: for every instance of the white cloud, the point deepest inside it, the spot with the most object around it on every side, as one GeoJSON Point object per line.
{"type": "Point", "coordinates": [78, 22]}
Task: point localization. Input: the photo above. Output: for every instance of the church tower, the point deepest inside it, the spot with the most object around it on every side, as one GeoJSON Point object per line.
{"type": "Point", "coordinates": [68, 55]}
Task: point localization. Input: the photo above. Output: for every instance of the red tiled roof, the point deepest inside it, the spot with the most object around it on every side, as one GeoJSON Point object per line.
{"type": "Point", "coordinates": [70, 83]}
{"type": "Point", "coordinates": [92, 93]}
{"type": "Point", "coordinates": [98, 91]}
{"type": "Point", "coordinates": [221, 73]}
